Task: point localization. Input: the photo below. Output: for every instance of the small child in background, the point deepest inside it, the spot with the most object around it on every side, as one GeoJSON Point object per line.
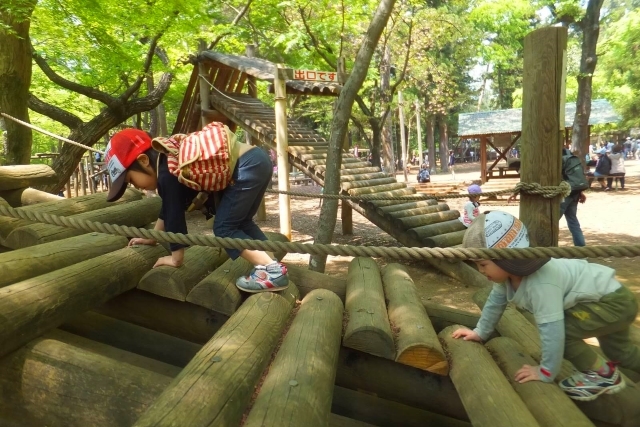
{"type": "Point", "coordinates": [571, 299]}
{"type": "Point", "coordinates": [471, 209]}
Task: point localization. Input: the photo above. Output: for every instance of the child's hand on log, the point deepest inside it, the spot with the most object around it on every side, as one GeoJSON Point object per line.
{"type": "Point", "coordinates": [527, 373]}
{"type": "Point", "coordinates": [466, 334]}
{"type": "Point", "coordinates": [141, 241]}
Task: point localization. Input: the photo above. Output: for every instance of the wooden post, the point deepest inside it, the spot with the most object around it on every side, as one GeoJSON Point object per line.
{"type": "Point", "coordinates": [403, 140]}
{"type": "Point", "coordinates": [252, 91]}
{"type": "Point", "coordinates": [83, 176]}
{"type": "Point", "coordinates": [92, 186]}
{"type": "Point", "coordinates": [419, 133]}
{"type": "Point", "coordinates": [203, 87]}
{"type": "Point", "coordinates": [69, 188]}
{"type": "Point", "coordinates": [542, 123]}
{"type": "Point", "coordinates": [346, 213]}
{"type": "Point", "coordinates": [76, 180]}
{"type": "Point", "coordinates": [280, 89]}
{"type": "Point", "coordinates": [483, 159]}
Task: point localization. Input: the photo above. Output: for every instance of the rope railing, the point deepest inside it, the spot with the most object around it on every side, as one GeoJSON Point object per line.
{"type": "Point", "coordinates": [404, 253]}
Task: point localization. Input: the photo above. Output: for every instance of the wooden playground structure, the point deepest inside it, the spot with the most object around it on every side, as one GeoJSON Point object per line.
{"type": "Point", "coordinates": [93, 336]}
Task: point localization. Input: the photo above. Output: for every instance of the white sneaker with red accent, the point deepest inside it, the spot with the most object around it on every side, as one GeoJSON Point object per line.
{"type": "Point", "coordinates": [588, 385]}
{"type": "Point", "coordinates": [270, 278]}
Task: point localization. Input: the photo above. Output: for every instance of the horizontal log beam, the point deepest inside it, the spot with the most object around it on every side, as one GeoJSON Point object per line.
{"type": "Point", "coordinates": [21, 176]}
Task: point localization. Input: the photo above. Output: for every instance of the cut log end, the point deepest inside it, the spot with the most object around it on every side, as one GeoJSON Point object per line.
{"type": "Point", "coordinates": [424, 358]}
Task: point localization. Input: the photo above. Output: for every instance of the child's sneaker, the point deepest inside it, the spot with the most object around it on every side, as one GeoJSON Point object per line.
{"type": "Point", "coordinates": [270, 278]}
{"type": "Point", "coordinates": [588, 385]}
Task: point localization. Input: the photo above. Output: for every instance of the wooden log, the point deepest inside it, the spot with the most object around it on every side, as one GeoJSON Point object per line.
{"type": "Point", "coordinates": [416, 341]}
{"type": "Point", "coordinates": [216, 386]}
{"type": "Point", "coordinates": [619, 409]}
{"type": "Point", "coordinates": [34, 306]}
{"type": "Point", "coordinates": [21, 176]}
{"type": "Point", "coordinates": [386, 413]}
{"type": "Point", "coordinates": [445, 240]}
{"type": "Point", "coordinates": [346, 186]}
{"type": "Point", "coordinates": [187, 321]}
{"type": "Point", "coordinates": [132, 338]}
{"type": "Point", "coordinates": [547, 402]}
{"type": "Point", "coordinates": [346, 217]}
{"type": "Point", "coordinates": [65, 207]}
{"type": "Point", "coordinates": [400, 383]}
{"type": "Point", "coordinates": [218, 291]}
{"type": "Point", "coordinates": [417, 211]}
{"type": "Point", "coordinates": [23, 264]}
{"type": "Point", "coordinates": [176, 283]}
{"type": "Point", "coordinates": [353, 172]}
{"type": "Point", "coordinates": [402, 205]}
{"type": "Point", "coordinates": [442, 316]}
{"type": "Point", "coordinates": [307, 280]}
{"type": "Point", "coordinates": [425, 219]}
{"type": "Point", "coordinates": [368, 324]}
{"type": "Point", "coordinates": [543, 104]}
{"type": "Point", "coordinates": [473, 373]}
{"type": "Point", "coordinates": [451, 226]}
{"type": "Point", "coordinates": [300, 381]}
{"type": "Point", "coordinates": [377, 189]}
{"type": "Point", "coordinates": [340, 421]}
{"type": "Point", "coordinates": [136, 214]}
{"type": "Point", "coordinates": [363, 176]}
{"type": "Point", "coordinates": [28, 196]}
{"type": "Point", "coordinates": [62, 380]}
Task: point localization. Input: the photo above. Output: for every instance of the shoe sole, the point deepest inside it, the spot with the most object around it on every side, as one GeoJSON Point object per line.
{"type": "Point", "coordinates": [609, 390]}
{"type": "Point", "coordinates": [257, 291]}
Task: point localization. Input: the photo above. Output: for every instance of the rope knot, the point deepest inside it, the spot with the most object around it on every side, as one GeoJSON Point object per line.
{"type": "Point", "coordinates": [563, 189]}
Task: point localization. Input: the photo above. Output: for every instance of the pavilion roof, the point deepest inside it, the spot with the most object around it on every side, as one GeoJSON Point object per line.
{"type": "Point", "coordinates": [510, 121]}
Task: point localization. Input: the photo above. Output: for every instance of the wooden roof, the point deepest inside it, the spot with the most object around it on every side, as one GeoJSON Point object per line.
{"type": "Point", "coordinates": [264, 70]}
{"type": "Point", "coordinates": [510, 121]}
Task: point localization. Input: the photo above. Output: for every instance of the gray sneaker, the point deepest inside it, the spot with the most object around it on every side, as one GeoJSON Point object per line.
{"type": "Point", "coordinates": [270, 278]}
{"type": "Point", "coordinates": [588, 385]}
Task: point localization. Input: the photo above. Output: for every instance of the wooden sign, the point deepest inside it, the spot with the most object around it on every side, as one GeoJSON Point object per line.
{"type": "Point", "coordinates": [318, 76]}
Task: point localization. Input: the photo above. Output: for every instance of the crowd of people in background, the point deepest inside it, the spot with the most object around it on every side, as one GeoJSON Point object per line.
{"type": "Point", "coordinates": [608, 160]}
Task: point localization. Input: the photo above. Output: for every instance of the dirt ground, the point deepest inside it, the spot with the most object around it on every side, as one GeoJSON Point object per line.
{"type": "Point", "coordinates": [607, 218]}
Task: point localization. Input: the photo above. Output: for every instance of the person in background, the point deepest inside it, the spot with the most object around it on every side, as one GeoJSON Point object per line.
{"type": "Point", "coordinates": [423, 175]}
{"type": "Point", "coordinates": [617, 167]}
{"type": "Point", "coordinates": [451, 162]}
{"type": "Point", "coordinates": [603, 167]}
{"type": "Point", "coordinates": [471, 209]}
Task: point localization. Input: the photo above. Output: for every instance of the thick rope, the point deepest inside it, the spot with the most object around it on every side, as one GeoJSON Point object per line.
{"type": "Point", "coordinates": [564, 189]}
{"type": "Point", "coordinates": [405, 253]}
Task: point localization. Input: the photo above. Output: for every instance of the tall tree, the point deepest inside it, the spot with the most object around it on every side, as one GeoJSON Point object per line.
{"type": "Point", "coordinates": [329, 211]}
{"type": "Point", "coordinates": [15, 78]}
{"type": "Point", "coordinates": [590, 26]}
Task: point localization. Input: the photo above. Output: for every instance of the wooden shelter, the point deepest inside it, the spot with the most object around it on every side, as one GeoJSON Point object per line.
{"type": "Point", "coordinates": [501, 130]}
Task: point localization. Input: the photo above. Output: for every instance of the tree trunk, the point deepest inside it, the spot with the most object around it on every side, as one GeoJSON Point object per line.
{"type": "Point", "coordinates": [431, 142]}
{"type": "Point", "coordinates": [15, 79]}
{"type": "Point", "coordinates": [388, 157]}
{"type": "Point", "coordinates": [444, 143]}
{"type": "Point", "coordinates": [329, 211]}
{"type": "Point", "coordinates": [590, 31]}
{"type": "Point", "coordinates": [376, 142]}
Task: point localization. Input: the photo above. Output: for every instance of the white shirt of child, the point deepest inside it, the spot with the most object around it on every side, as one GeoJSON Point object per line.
{"type": "Point", "coordinates": [559, 285]}
{"type": "Point", "coordinates": [470, 212]}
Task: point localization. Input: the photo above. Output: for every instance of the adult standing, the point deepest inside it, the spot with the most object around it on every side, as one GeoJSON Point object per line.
{"type": "Point", "coordinates": [573, 173]}
{"type": "Point", "coordinates": [617, 167]}
{"type": "Point", "coordinates": [451, 162]}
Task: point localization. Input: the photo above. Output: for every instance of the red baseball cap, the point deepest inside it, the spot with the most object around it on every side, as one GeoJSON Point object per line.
{"type": "Point", "coordinates": [123, 149]}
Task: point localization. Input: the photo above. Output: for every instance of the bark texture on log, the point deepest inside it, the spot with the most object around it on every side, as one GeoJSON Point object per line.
{"type": "Point", "coordinates": [474, 373]}
{"type": "Point", "coordinates": [34, 306]}
{"type": "Point", "coordinates": [176, 283]}
{"type": "Point", "coordinates": [368, 327]}
{"type": "Point", "coordinates": [547, 402]}
{"type": "Point", "coordinates": [216, 386]}
{"type": "Point", "coordinates": [62, 380]}
{"type": "Point", "coordinates": [300, 381]}
{"type": "Point", "coordinates": [22, 264]}
{"type": "Point", "coordinates": [416, 341]}
{"type": "Point", "coordinates": [21, 176]}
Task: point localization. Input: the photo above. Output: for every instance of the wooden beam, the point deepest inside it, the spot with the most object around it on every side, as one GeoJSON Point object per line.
{"type": "Point", "coordinates": [474, 372]}
{"type": "Point", "coordinates": [28, 196]}
{"type": "Point", "coordinates": [545, 53]}
{"type": "Point", "coordinates": [216, 386]}
{"type": "Point", "coordinates": [62, 380]}
{"type": "Point", "coordinates": [32, 307]}
{"type": "Point", "coordinates": [300, 381]}
{"type": "Point", "coordinates": [21, 176]}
